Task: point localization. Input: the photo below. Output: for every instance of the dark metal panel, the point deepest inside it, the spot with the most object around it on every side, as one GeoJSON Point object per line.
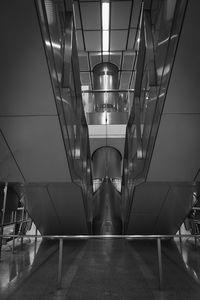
{"type": "Point", "coordinates": [37, 146]}
{"type": "Point", "coordinates": [149, 197]}
{"type": "Point", "coordinates": [26, 88]}
{"type": "Point", "coordinates": [147, 202]}
{"type": "Point", "coordinates": [159, 208]}
{"type": "Point", "coordinates": [183, 92]}
{"type": "Point", "coordinates": [141, 223]}
{"type": "Point", "coordinates": [9, 172]}
{"type": "Point", "coordinates": [176, 153]}
{"type": "Point", "coordinates": [68, 201]}
{"type": "Point", "coordinates": [175, 209]}
{"type": "Point", "coordinates": [41, 209]}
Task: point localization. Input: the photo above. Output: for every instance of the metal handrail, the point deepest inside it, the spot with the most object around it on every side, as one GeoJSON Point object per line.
{"type": "Point", "coordinates": [126, 236]}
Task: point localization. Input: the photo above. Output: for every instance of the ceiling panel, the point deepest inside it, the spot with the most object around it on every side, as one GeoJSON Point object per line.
{"type": "Point", "coordinates": [85, 78]}
{"type": "Point", "coordinates": [79, 37]}
{"type": "Point", "coordinates": [128, 60]}
{"type": "Point", "coordinates": [77, 16]}
{"type": "Point", "coordinates": [9, 172]}
{"type": "Point", "coordinates": [37, 146]}
{"type": "Point", "coordinates": [26, 88]}
{"type": "Point", "coordinates": [91, 21]}
{"type": "Point", "coordinates": [132, 85]}
{"type": "Point", "coordinates": [120, 14]}
{"type": "Point", "coordinates": [115, 58]}
{"type": "Point", "coordinates": [83, 62]}
{"type": "Point", "coordinates": [106, 57]}
{"type": "Point", "coordinates": [131, 39]}
{"type": "Point", "coordinates": [176, 152]}
{"type": "Point", "coordinates": [93, 40]}
{"type": "Point", "coordinates": [118, 40]}
{"type": "Point", "coordinates": [95, 58]}
{"type": "Point", "coordinates": [135, 14]}
{"type": "Point", "coordinates": [125, 80]}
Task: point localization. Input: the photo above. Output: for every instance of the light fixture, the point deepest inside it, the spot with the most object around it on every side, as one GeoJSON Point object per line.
{"type": "Point", "coordinates": [105, 25]}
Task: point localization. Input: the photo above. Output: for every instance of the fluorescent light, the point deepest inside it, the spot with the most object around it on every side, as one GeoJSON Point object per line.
{"type": "Point", "coordinates": [105, 15]}
{"type": "Point", "coordinates": [105, 40]}
{"type": "Point", "coordinates": [105, 25]}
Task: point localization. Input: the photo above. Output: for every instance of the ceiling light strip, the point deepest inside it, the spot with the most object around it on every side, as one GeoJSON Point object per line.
{"type": "Point", "coordinates": [105, 25]}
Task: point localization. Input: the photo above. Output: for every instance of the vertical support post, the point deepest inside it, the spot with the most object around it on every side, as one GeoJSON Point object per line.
{"type": "Point", "coordinates": [22, 227]}
{"type": "Point", "coordinates": [3, 214]}
{"type": "Point", "coordinates": [60, 262]}
{"type": "Point", "coordinates": [160, 263]}
{"type": "Point", "coordinates": [35, 245]}
{"type": "Point", "coordinates": [180, 239]}
{"type": "Point", "coordinates": [14, 228]}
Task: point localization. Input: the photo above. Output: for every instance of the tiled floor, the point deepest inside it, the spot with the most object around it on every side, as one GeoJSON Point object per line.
{"type": "Point", "coordinates": [101, 269]}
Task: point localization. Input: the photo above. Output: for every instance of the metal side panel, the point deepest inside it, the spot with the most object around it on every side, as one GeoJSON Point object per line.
{"type": "Point", "coordinates": [9, 170]}
{"type": "Point", "coordinates": [68, 201]}
{"type": "Point", "coordinates": [183, 91]}
{"type": "Point", "coordinates": [176, 153]}
{"type": "Point", "coordinates": [37, 145]}
{"type": "Point", "coordinates": [56, 208]}
{"type": "Point", "coordinates": [25, 82]}
{"type": "Point", "coordinates": [174, 210]}
{"type": "Point", "coordinates": [147, 202]}
{"type": "Point", "coordinates": [40, 207]}
{"type": "Point", "coordinates": [159, 208]}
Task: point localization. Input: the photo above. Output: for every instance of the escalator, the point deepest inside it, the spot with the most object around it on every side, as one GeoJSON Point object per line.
{"type": "Point", "coordinates": [94, 160]}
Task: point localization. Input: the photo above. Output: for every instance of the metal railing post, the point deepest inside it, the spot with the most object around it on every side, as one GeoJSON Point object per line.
{"type": "Point", "coordinates": [14, 228]}
{"type": "Point", "coordinates": [35, 244]}
{"type": "Point", "coordinates": [22, 226]}
{"type": "Point", "coordinates": [160, 263]}
{"type": "Point", "coordinates": [180, 239]}
{"type": "Point", "coordinates": [60, 258]}
{"type": "Point", "coordinates": [3, 214]}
